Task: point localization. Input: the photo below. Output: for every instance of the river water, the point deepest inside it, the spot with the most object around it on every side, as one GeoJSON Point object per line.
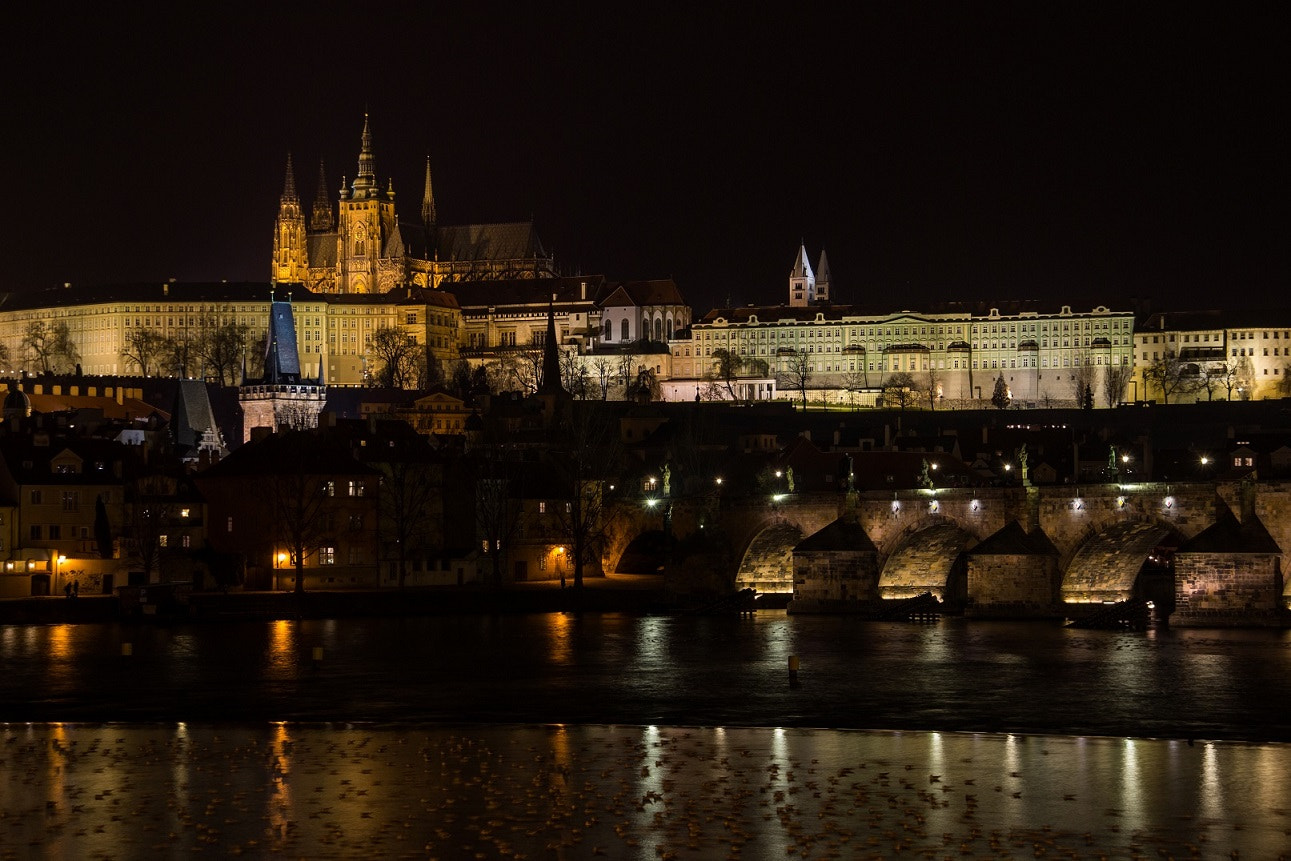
{"type": "Point", "coordinates": [643, 736]}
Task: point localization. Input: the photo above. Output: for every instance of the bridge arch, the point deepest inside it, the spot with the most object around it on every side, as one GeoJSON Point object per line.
{"type": "Point", "coordinates": [928, 558]}
{"type": "Point", "coordinates": [1107, 562]}
{"type": "Point", "coordinates": [767, 563]}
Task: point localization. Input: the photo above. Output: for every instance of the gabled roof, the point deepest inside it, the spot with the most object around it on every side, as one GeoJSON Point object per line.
{"type": "Point", "coordinates": [1227, 535]}
{"type": "Point", "coordinates": [843, 534]}
{"type": "Point", "coordinates": [1013, 540]}
{"type": "Point", "coordinates": [801, 268]}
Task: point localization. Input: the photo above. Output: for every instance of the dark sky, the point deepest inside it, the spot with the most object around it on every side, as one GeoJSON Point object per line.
{"type": "Point", "coordinates": [1065, 151]}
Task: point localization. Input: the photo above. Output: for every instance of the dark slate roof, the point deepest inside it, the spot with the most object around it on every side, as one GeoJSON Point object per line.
{"type": "Point", "coordinates": [843, 534]}
{"type": "Point", "coordinates": [1180, 321]}
{"type": "Point", "coordinates": [321, 249]}
{"type": "Point", "coordinates": [1013, 540]}
{"type": "Point", "coordinates": [192, 414]}
{"type": "Point", "coordinates": [773, 313]}
{"type": "Point", "coordinates": [526, 291]}
{"type": "Point", "coordinates": [156, 291]}
{"type": "Point", "coordinates": [638, 293]}
{"type": "Point", "coordinates": [1227, 535]}
{"type": "Point", "coordinates": [507, 241]}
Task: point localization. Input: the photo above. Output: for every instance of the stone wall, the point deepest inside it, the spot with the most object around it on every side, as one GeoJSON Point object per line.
{"type": "Point", "coordinates": [836, 575]}
{"type": "Point", "coordinates": [1013, 579]}
{"type": "Point", "coordinates": [1227, 588]}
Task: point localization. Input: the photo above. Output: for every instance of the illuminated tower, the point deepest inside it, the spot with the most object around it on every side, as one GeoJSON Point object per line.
{"type": "Point", "coordinates": [428, 216]}
{"type": "Point", "coordinates": [283, 398]}
{"type": "Point", "coordinates": [802, 281]}
{"type": "Point", "coordinates": [320, 217]}
{"type": "Point", "coordinates": [290, 261]}
{"type": "Point", "coordinates": [822, 278]}
{"type": "Point", "coordinates": [366, 222]}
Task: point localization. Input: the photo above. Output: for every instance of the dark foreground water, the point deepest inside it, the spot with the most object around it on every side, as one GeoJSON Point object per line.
{"type": "Point", "coordinates": [669, 670]}
{"type": "Point", "coordinates": [559, 736]}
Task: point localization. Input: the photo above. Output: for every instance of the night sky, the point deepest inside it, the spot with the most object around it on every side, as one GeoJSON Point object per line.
{"type": "Point", "coordinates": [1066, 151]}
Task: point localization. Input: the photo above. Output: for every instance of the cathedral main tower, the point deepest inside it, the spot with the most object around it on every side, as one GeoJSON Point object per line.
{"type": "Point", "coordinates": [365, 224]}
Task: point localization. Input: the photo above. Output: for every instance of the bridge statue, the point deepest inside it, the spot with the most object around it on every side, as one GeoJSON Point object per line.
{"type": "Point", "coordinates": [667, 480]}
{"type": "Point", "coordinates": [789, 476]}
{"type": "Point", "coordinates": [1113, 466]}
{"type": "Point", "coordinates": [1022, 464]}
{"type": "Point", "coordinates": [925, 477]}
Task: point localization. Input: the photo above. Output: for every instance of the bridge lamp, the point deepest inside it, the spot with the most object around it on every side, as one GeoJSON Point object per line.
{"type": "Point", "coordinates": [1169, 502]}
{"type": "Point", "coordinates": [1120, 502]}
{"type": "Point", "coordinates": [719, 479]}
{"type": "Point", "coordinates": [651, 503]}
{"type": "Point", "coordinates": [1008, 467]}
{"type": "Point", "coordinates": [975, 505]}
{"type": "Point", "coordinates": [1205, 461]}
{"type": "Point", "coordinates": [933, 506]}
{"type": "Point", "coordinates": [778, 497]}
{"type": "Point", "coordinates": [778, 473]}
{"type": "Point", "coordinates": [896, 506]}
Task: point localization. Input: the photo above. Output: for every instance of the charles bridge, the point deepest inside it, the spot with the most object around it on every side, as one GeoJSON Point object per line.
{"type": "Point", "coordinates": [1212, 550]}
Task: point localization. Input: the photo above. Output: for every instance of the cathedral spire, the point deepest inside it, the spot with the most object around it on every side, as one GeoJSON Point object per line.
{"type": "Point", "coordinates": [320, 217]}
{"type": "Point", "coordinates": [428, 216]}
{"type": "Point", "coordinates": [365, 184]}
{"type": "Point", "coordinates": [289, 184]}
{"type": "Point", "coordinates": [551, 353]}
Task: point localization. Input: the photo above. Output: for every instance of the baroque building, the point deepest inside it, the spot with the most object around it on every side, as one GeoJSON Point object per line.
{"type": "Point", "coordinates": [358, 244]}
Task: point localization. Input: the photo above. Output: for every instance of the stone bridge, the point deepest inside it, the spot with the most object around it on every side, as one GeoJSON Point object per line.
{"type": "Point", "coordinates": [1040, 546]}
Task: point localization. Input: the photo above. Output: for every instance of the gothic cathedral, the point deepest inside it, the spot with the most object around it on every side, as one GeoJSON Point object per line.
{"type": "Point", "coordinates": [361, 246]}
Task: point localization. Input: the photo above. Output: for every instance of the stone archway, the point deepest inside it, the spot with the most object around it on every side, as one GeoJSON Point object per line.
{"type": "Point", "coordinates": [767, 565]}
{"type": "Point", "coordinates": [929, 560]}
{"type": "Point", "coordinates": [645, 554]}
{"type": "Point", "coordinates": [1105, 568]}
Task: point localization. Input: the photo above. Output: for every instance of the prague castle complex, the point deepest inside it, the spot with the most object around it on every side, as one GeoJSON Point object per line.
{"type": "Point", "coordinates": [351, 267]}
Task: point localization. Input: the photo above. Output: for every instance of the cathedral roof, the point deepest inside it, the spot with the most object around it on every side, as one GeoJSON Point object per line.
{"type": "Point", "coordinates": [506, 241]}
{"type": "Point", "coordinates": [637, 293]}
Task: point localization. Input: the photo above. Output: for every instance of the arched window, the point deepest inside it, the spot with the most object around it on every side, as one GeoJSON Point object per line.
{"type": "Point", "coordinates": [670, 329]}
{"type": "Point", "coordinates": [623, 330]}
{"type": "Point", "coordinates": [658, 329]}
{"type": "Point", "coordinates": [359, 243]}
{"type": "Point", "coordinates": [609, 331]}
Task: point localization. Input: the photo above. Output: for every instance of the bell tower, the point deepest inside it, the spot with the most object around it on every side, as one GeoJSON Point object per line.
{"type": "Point", "coordinates": [290, 261]}
{"type": "Point", "coordinates": [366, 220]}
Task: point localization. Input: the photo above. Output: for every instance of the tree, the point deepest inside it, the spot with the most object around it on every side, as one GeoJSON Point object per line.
{"type": "Point", "coordinates": [853, 382]}
{"type": "Point", "coordinates": [221, 349]}
{"type": "Point", "coordinates": [178, 353]}
{"type": "Point", "coordinates": [47, 347]}
{"type": "Point", "coordinates": [150, 512]}
{"type": "Point", "coordinates": [932, 385]}
{"type": "Point", "coordinates": [603, 369]}
{"type": "Point", "coordinates": [1170, 375]}
{"type": "Point", "coordinates": [627, 372]}
{"type": "Point", "coordinates": [796, 373]}
{"type": "Point", "coordinates": [409, 485]}
{"type": "Point", "coordinates": [899, 389]}
{"type": "Point", "coordinates": [573, 375]}
{"type": "Point", "coordinates": [1083, 377]}
{"type": "Point", "coordinates": [1245, 377]}
{"type": "Point", "coordinates": [497, 517]}
{"type": "Point", "coordinates": [143, 348]}
{"type": "Point", "coordinates": [396, 354]}
{"type": "Point", "coordinates": [724, 371]}
{"type": "Point", "coordinates": [581, 465]}
{"type": "Point", "coordinates": [1115, 382]}
{"type": "Point", "coordinates": [1000, 397]}
{"type": "Point", "coordinates": [645, 387]}
{"type": "Point", "coordinates": [296, 493]}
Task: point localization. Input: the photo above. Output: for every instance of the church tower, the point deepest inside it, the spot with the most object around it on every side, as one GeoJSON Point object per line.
{"type": "Point", "coordinates": [366, 220]}
{"type": "Point", "coordinates": [283, 398]}
{"type": "Point", "coordinates": [428, 216]}
{"type": "Point", "coordinates": [290, 262]}
{"type": "Point", "coordinates": [802, 281]}
{"type": "Point", "coordinates": [822, 279]}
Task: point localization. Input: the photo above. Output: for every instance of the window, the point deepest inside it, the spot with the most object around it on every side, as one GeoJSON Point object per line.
{"type": "Point", "coordinates": [35, 533]}
{"type": "Point", "coordinates": [71, 500]}
{"type": "Point", "coordinates": [186, 540]}
{"type": "Point", "coordinates": [163, 540]}
{"type": "Point", "coordinates": [568, 507]}
{"type": "Point", "coordinates": [542, 507]}
{"type": "Point", "coordinates": [36, 497]}
{"type": "Point", "coordinates": [329, 488]}
{"type": "Point", "coordinates": [356, 521]}
{"type": "Point", "coordinates": [356, 488]}
{"type": "Point", "coordinates": [411, 318]}
{"type": "Point", "coordinates": [229, 527]}
{"type": "Point", "coordinates": [623, 330]}
{"type": "Point", "coordinates": [327, 556]}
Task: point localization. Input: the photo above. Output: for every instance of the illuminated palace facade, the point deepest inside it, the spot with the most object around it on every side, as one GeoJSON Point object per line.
{"type": "Point", "coordinates": [956, 351]}
{"type": "Point", "coordinates": [333, 330]}
{"type": "Point", "coordinates": [358, 244]}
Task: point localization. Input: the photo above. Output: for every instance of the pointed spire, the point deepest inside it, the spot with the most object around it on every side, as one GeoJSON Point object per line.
{"type": "Point", "coordinates": [801, 268]}
{"type": "Point", "coordinates": [289, 184]}
{"type": "Point", "coordinates": [321, 217]}
{"type": "Point", "coordinates": [822, 270]}
{"type": "Point", "coordinates": [551, 352]}
{"type": "Point", "coordinates": [366, 181]}
{"type": "Point", "coordinates": [428, 216]}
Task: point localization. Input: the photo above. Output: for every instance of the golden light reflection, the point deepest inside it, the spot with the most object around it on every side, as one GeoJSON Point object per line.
{"type": "Point", "coordinates": [282, 639]}
{"type": "Point", "coordinates": [60, 642]}
{"type": "Point", "coordinates": [279, 802]}
{"type": "Point", "coordinates": [560, 629]}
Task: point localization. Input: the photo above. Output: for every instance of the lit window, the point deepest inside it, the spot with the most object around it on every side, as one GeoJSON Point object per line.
{"type": "Point", "coordinates": [183, 512]}
{"type": "Point", "coordinates": [327, 556]}
{"type": "Point", "coordinates": [542, 507]}
{"type": "Point", "coordinates": [163, 540]}
{"type": "Point", "coordinates": [356, 488]}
